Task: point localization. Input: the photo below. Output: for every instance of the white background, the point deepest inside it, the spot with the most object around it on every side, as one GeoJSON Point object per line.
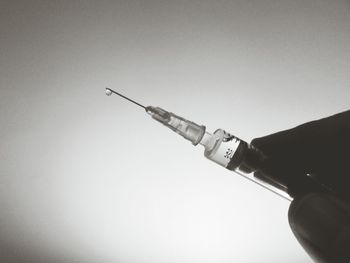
{"type": "Point", "coordinates": [90, 178]}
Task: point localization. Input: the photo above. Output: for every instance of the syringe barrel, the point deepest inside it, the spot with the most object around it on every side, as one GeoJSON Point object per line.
{"type": "Point", "coordinates": [248, 161]}
{"type": "Point", "coordinates": [239, 156]}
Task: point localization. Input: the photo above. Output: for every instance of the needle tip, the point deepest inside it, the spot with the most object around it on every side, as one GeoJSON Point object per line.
{"type": "Point", "coordinates": [108, 92]}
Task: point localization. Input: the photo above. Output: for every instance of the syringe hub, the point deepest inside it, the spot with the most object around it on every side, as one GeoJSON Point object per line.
{"type": "Point", "coordinates": [187, 129]}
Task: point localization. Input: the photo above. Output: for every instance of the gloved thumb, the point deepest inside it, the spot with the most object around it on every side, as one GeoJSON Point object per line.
{"type": "Point", "coordinates": [321, 224]}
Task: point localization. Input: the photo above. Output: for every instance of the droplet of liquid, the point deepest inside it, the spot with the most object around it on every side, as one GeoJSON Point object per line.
{"type": "Point", "coordinates": [108, 92]}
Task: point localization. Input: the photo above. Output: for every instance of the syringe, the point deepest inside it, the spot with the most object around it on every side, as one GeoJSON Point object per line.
{"type": "Point", "coordinates": [229, 151]}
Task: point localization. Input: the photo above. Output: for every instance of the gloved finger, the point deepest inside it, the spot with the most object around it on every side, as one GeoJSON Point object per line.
{"type": "Point", "coordinates": [314, 146]}
{"type": "Point", "coordinates": [321, 224]}
{"type": "Point", "coordinates": [319, 149]}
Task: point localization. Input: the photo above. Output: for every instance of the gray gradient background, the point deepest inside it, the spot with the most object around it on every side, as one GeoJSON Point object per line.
{"type": "Point", "coordinates": [90, 178]}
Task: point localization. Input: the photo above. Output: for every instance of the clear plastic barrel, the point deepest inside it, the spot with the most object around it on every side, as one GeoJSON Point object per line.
{"type": "Point", "coordinates": [240, 157]}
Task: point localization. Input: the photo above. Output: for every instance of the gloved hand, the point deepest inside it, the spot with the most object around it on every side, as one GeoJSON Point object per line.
{"type": "Point", "coordinates": [319, 150]}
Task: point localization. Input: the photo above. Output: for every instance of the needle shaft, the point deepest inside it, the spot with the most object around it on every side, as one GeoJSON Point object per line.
{"type": "Point", "coordinates": [108, 90]}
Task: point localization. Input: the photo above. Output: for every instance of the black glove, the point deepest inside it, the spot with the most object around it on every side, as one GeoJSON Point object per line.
{"type": "Point", "coordinates": [318, 150]}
